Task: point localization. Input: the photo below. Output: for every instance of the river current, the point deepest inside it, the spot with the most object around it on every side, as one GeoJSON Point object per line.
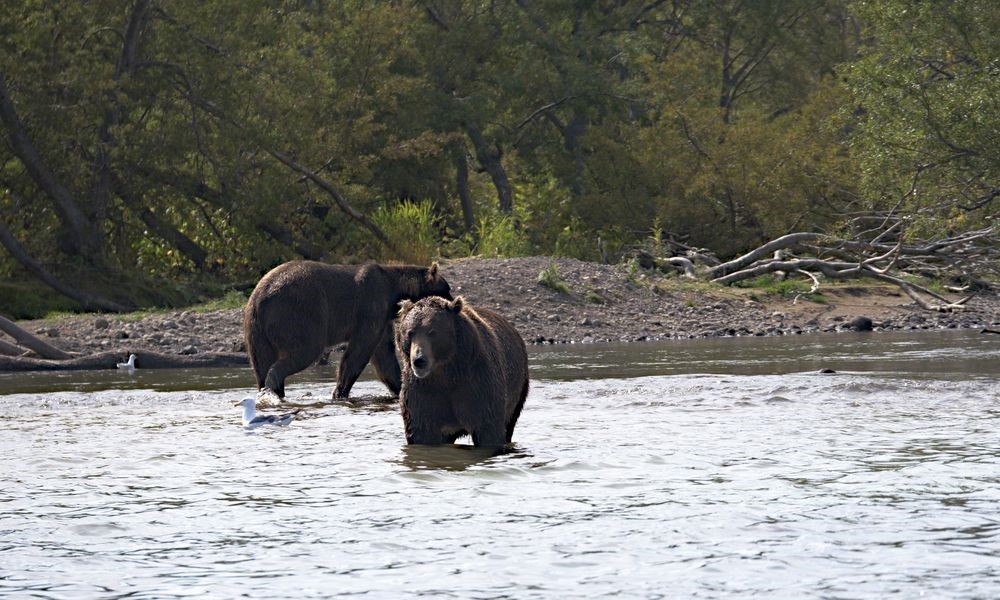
{"type": "Point", "coordinates": [701, 469]}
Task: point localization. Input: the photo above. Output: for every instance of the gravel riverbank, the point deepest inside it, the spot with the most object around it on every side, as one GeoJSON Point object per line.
{"type": "Point", "coordinates": [604, 303]}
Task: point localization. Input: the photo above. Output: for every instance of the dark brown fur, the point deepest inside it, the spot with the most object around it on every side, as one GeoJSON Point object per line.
{"type": "Point", "coordinates": [465, 372]}
{"type": "Point", "coordinates": [301, 307]}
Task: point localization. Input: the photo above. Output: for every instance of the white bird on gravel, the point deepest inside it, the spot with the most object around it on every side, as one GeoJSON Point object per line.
{"type": "Point", "coordinates": [252, 421]}
{"type": "Point", "coordinates": [128, 366]}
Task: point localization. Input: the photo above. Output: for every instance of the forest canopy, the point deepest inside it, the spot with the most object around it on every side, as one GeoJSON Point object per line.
{"type": "Point", "coordinates": [152, 146]}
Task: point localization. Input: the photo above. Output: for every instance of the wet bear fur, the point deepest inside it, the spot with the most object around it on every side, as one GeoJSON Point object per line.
{"type": "Point", "coordinates": [300, 308]}
{"type": "Point", "coordinates": [465, 372]}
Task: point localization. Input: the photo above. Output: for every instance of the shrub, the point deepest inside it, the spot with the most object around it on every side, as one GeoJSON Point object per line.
{"type": "Point", "coordinates": [549, 277]}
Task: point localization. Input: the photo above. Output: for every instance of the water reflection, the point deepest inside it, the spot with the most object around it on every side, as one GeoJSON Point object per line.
{"type": "Point", "coordinates": [450, 457]}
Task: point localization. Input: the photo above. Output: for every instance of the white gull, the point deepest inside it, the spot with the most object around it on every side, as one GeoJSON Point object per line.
{"type": "Point", "coordinates": [128, 366]}
{"type": "Point", "coordinates": [252, 421]}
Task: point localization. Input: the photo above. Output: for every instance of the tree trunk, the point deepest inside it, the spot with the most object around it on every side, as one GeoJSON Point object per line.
{"type": "Point", "coordinates": [161, 228]}
{"type": "Point", "coordinates": [489, 157]}
{"type": "Point", "coordinates": [80, 237]}
{"type": "Point", "coordinates": [462, 186]}
{"type": "Point", "coordinates": [87, 301]}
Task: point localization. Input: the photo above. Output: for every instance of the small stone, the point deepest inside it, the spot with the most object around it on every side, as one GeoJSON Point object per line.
{"type": "Point", "coordinates": [168, 324]}
{"type": "Point", "coordinates": [101, 323]}
{"type": "Point", "coordinates": [585, 322]}
{"type": "Point", "coordinates": [553, 317]}
{"type": "Point", "coordinates": [189, 350]}
{"type": "Point", "coordinates": [121, 335]}
{"type": "Point", "coordinates": [53, 333]}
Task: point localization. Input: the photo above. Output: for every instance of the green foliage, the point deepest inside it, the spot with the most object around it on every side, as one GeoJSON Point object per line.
{"type": "Point", "coordinates": [499, 236]}
{"type": "Point", "coordinates": [928, 88]}
{"type": "Point", "coordinates": [31, 300]}
{"type": "Point", "coordinates": [410, 225]}
{"type": "Point", "coordinates": [549, 277]}
{"type": "Point", "coordinates": [721, 124]}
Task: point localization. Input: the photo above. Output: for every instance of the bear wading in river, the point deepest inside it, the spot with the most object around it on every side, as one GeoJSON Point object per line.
{"type": "Point", "coordinates": [301, 307]}
{"type": "Point", "coordinates": [465, 371]}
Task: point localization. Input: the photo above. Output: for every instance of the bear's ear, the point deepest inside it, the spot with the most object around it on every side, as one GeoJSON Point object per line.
{"type": "Point", "coordinates": [432, 272]}
{"type": "Point", "coordinates": [404, 307]}
{"type": "Point", "coordinates": [457, 304]}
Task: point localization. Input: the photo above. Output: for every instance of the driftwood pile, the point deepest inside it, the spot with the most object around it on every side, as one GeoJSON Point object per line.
{"type": "Point", "coordinates": [28, 353]}
{"type": "Point", "coordinates": [971, 258]}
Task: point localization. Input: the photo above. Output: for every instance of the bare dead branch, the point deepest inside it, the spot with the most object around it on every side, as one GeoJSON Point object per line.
{"type": "Point", "coordinates": [785, 241]}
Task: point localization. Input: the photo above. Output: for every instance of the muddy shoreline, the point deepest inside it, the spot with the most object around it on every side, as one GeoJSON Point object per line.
{"type": "Point", "coordinates": [604, 303]}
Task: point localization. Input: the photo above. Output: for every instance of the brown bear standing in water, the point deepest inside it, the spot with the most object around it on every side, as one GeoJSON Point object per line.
{"type": "Point", "coordinates": [465, 371]}
{"type": "Point", "coordinates": [301, 307]}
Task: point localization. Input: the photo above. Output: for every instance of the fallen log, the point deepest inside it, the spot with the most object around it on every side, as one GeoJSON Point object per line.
{"type": "Point", "coordinates": [11, 349]}
{"type": "Point", "coordinates": [29, 341]}
{"type": "Point", "coordinates": [109, 360]}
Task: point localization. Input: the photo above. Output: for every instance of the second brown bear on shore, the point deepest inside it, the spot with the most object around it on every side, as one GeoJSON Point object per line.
{"type": "Point", "coordinates": [301, 307]}
{"type": "Point", "coordinates": [465, 372]}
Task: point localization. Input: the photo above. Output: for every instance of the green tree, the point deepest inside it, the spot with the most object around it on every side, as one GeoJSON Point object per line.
{"type": "Point", "coordinates": [928, 96]}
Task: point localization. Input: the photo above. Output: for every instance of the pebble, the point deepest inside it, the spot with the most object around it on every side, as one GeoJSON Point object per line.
{"type": "Point", "coordinates": [101, 323]}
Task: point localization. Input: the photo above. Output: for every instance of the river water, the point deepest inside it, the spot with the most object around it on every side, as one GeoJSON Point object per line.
{"type": "Point", "coordinates": [700, 469]}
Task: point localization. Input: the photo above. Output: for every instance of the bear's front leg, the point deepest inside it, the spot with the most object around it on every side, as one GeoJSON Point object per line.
{"type": "Point", "coordinates": [490, 435]}
{"type": "Point", "coordinates": [425, 435]}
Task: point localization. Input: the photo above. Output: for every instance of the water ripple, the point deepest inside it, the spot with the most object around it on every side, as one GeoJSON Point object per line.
{"type": "Point", "coordinates": [857, 484]}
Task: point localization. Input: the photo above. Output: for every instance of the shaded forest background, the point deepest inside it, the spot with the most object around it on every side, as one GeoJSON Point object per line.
{"type": "Point", "coordinates": [155, 152]}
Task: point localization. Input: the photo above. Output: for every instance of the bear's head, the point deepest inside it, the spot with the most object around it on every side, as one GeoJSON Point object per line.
{"type": "Point", "coordinates": [425, 335]}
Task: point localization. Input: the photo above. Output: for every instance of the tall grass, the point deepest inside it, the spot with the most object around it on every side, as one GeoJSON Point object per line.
{"type": "Point", "coordinates": [410, 225]}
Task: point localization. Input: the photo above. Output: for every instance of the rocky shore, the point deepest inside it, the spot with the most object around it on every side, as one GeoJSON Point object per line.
{"type": "Point", "coordinates": [596, 303]}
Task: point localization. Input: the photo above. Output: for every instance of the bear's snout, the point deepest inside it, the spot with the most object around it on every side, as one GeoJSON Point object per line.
{"type": "Point", "coordinates": [419, 361]}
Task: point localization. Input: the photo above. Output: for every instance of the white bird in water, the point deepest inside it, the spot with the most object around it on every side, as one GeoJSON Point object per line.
{"type": "Point", "coordinates": [128, 366]}
{"type": "Point", "coordinates": [252, 421]}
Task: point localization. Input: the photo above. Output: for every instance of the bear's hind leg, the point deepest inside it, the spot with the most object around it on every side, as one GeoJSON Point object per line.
{"type": "Point", "coordinates": [517, 411]}
{"type": "Point", "coordinates": [359, 351]}
{"type": "Point", "coordinates": [261, 356]}
{"type": "Point", "coordinates": [288, 365]}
